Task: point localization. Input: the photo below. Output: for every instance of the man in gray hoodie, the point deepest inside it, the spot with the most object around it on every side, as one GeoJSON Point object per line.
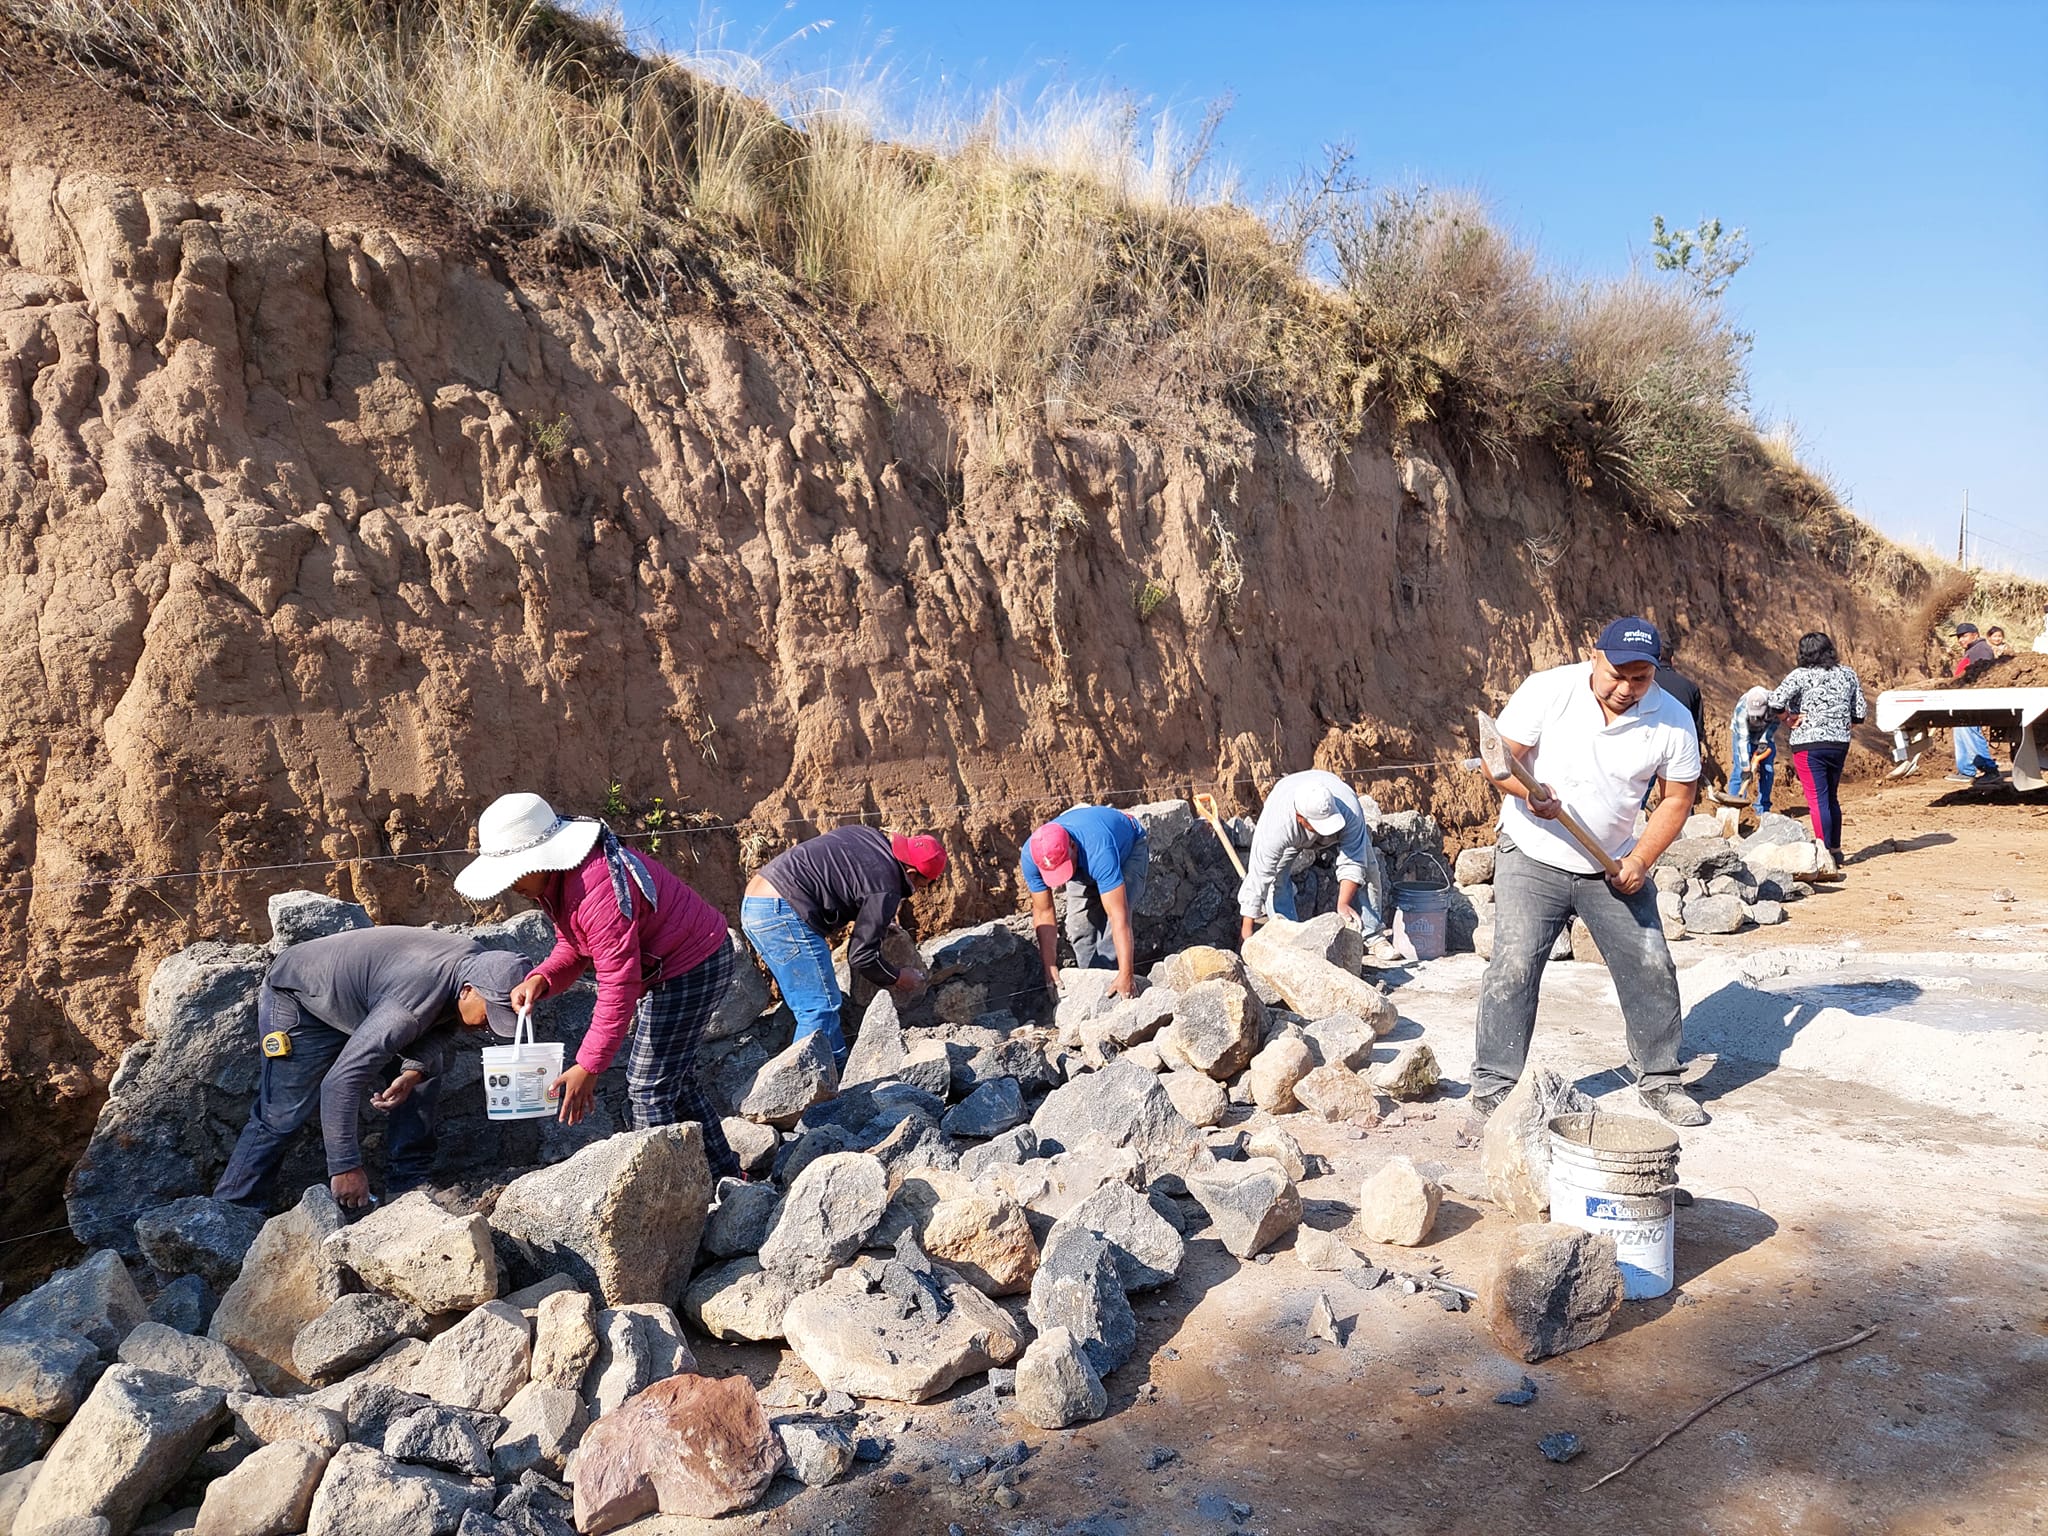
{"type": "Point", "coordinates": [383, 1005]}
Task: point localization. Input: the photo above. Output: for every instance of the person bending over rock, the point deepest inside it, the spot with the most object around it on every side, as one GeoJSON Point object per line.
{"type": "Point", "coordinates": [1602, 730]}
{"type": "Point", "coordinates": [856, 875]}
{"type": "Point", "coordinates": [336, 1014]}
{"type": "Point", "coordinates": [1318, 810]}
{"type": "Point", "coordinates": [1100, 855]}
{"type": "Point", "coordinates": [662, 955]}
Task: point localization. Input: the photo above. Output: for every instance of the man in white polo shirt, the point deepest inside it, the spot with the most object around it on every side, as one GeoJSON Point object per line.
{"type": "Point", "coordinates": [1593, 735]}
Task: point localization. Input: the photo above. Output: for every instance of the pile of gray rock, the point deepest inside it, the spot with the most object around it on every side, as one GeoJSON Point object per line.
{"type": "Point", "coordinates": [978, 1198]}
{"type": "Point", "coordinates": [1710, 880]}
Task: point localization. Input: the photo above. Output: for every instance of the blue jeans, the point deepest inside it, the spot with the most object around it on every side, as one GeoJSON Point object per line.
{"type": "Point", "coordinates": [800, 960]}
{"type": "Point", "coordinates": [1741, 745]}
{"type": "Point", "coordinates": [1973, 752]}
{"type": "Point", "coordinates": [289, 1096]}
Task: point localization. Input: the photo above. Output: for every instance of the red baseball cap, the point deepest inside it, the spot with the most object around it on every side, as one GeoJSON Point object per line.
{"type": "Point", "coordinates": [1053, 852]}
{"type": "Point", "coordinates": [922, 853]}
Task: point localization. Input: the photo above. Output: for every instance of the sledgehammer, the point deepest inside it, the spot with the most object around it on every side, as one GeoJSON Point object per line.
{"type": "Point", "coordinates": [1503, 764]}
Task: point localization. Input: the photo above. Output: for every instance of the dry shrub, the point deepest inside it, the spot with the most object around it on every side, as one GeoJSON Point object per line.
{"type": "Point", "coordinates": [1451, 314]}
{"type": "Point", "coordinates": [1659, 375]}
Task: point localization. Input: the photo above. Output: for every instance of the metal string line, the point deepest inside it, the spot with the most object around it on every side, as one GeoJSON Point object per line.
{"type": "Point", "coordinates": [842, 818]}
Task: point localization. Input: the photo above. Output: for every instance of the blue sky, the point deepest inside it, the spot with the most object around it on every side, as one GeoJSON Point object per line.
{"type": "Point", "coordinates": [1890, 162]}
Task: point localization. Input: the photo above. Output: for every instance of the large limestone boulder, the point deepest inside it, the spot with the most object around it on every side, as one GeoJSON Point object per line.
{"type": "Point", "coordinates": [198, 1235]}
{"type": "Point", "coordinates": [289, 1278]}
{"type": "Point", "coordinates": [637, 1346]}
{"type": "Point", "coordinates": [1079, 1287]}
{"type": "Point", "coordinates": [1052, 1186]}
{"type": "Point", "coordinates": [1412, 1074]}
{"type": "Point", "coordinates": [1216, 1027]}
{"type": "Point", "coordinates": [1057, 1386]}
{"type": "Point", "coordinates": [790, 1082]}
{"type": "Point", "coordinates": [622, 1217]}
{"type": "Point", "coordinates": [694, 1446]}
{"type": "Point", "coordinates": [353, 1332]}
{"type": "Point", "coordinates": [94, 1300]}
{"type": "Point", "coordinates": [1126, 1106]}
{"type": "Point", "coordinates": [1398, 1205]}
{"type": "Point", "coordinates": [1514, 1153]}
{"type": "Point", "coordinates": [414, 1250]}
{"type": "Point", "coordinates": [1339, 1095]}
{"type": "Point", "coordinates": [133, 1437]}
{"type": "Point", "coordinates": [480, 1362]}
{"type": "Point", "coordinates": [987, 1238]}
{"type": "Point", "coordinates": [367, 1493]}
{"type": "Point", "coordinates": [1550, 1289]}
{"type": "Point", "coordinates": [542, 1426]}
{"type": "Point", "coordinates": [269, 1494]}
{"type": "Point", "coordinates": [748, 997]}
{"type": "Point", "coordinates": [1251, 1204]}
{"type": "Point", "coordinates": [739, 1301]}
{"type": "Point", "coordinates": [1147, 1248]}
{"type": "Point", "coordinates": [296, 916]}
{"type": "Point", "coordinates": [830, 1210]}
{"type": "Point", "coordinates": [1326, 936]}
{"type": "Point", "coordinates": [1185, 969]}
{"type": "Point", "coordinates": [45, 1376]}
{"type": "Point", "coordinates": [973, 971]}
{"type": "Point", "coordinates": [565, 1340]}
{"type": "Point", "coordinates": [1313, 987]}
{"type": "Point", "coordinates": [1285, 1061]}
{"type": "Point", "coordinates": [205, 1362]}
{"type": "Point", "coordinates": [858, 1337]}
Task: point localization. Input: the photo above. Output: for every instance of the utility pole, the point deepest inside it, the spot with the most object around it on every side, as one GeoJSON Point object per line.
{"type": "Point", "coordinates": [1963, 533]}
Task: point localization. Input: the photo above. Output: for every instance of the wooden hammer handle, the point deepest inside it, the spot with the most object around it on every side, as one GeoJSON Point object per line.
{"type": "Point", "coordinates": [1565, 819]}
{"type": "Point", "coordinates": [1206, 806]}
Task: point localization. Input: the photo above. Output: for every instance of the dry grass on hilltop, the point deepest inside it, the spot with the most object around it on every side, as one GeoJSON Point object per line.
{"type": "Point", "coordinates": [1068, 257]}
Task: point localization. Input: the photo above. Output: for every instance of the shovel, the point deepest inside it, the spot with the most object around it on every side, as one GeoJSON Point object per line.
{"type": "Point", "coordinates": [1502, 764]}
{"type": "Point", "coordinates": [1205, 806]}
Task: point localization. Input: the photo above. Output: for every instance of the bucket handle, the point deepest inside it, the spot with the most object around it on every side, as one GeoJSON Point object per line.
{"type": "Point", "coordinates": [1422, 853]}
{"type": "Point", "coordinates": [522, 1032]}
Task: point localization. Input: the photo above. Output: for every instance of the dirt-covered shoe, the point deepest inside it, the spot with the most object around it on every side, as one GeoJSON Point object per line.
{"type": "Point", "coordinates": [1482, 1105]}
{"type": "Point", "coordinates": [1673, 1104]}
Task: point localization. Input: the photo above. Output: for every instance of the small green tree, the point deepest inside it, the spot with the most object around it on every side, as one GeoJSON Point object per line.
{"type": "Point", "coordinates": [1709, 255]}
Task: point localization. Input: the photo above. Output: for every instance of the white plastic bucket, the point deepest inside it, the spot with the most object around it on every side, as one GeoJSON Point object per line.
{"type": "Point", "coordinates": [1615, 1174]}
{"type": "Point", "coordinates": [519, 1078]}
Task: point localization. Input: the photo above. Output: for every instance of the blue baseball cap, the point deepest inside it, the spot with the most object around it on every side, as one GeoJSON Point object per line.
{"type": "Point", "coordinates": [1631, 639]}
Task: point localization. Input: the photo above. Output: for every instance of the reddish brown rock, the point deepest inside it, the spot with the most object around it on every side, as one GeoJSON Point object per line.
{"type": "Point", "coordinates": [1551, 1289]}
{"type": "Point", "coordinates": [690, 1445]}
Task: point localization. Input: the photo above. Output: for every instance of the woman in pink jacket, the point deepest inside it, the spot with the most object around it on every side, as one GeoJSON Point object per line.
{"type": "Point", "coordinates": [661, 952]}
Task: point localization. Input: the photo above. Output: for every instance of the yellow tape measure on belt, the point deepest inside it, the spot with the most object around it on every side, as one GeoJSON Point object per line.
{"type": "Point", "coordinates": [277, 1043]}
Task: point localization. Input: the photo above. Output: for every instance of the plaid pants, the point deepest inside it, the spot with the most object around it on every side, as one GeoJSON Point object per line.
{"type": "Point", "coordinates": [661, 1072]}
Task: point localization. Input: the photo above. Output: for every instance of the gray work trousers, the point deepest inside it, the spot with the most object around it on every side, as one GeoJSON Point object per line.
{"type": "Point", "coordinates": [1532, 902]}
{"type": "Point", "coordinates": [1087, 921]}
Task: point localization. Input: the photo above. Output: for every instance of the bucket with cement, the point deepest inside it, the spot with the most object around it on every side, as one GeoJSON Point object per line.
{"type": "Point", "coordinates": [519, 1078]}
{"type": "Point", "coordinates": [1615, 1174]}
{"type": "Point", "coordinates": [1421, 908]}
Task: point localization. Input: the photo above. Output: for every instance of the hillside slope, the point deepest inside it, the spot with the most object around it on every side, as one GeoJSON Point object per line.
{"type": "Point", "coordinates": [327, 518]}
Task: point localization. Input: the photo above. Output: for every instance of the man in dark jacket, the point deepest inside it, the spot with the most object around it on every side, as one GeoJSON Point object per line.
{"type": "Point", "coordinates": [791, 909]}
{"type": "Point", "coordinates": [340, 1013]}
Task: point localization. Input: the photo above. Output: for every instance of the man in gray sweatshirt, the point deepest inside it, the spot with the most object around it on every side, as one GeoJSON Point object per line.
{"type": "Point", "coordinates": [1313, 810]}
{"type": "Point", "coordinates": [374, 1005]}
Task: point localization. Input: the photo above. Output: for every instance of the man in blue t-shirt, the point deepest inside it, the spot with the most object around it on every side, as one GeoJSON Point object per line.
{"type": "Point", "coordinates": [1099, 854]}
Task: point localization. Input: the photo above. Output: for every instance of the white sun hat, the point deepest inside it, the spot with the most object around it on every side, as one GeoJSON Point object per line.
{"type": "Point", "coordinates": [519, 835]}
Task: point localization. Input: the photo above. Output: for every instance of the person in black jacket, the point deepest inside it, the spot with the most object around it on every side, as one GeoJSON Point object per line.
{"type": "Point", "coordinates": [856, 875]}
{"type": "Point", "coordinates": [337, 1015]}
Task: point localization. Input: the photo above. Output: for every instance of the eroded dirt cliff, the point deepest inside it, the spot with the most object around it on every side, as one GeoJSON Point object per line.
{"type": "Point", "coordinates": [322, 523]}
